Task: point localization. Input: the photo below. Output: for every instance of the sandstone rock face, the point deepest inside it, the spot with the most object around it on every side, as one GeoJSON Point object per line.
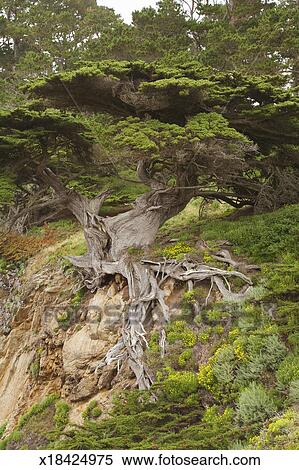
{"type": "Point", "coordinates": [81, 347]}
{"type": "Point", "coordinates": [106, 307]}
{"type": "Point", "coordinates": [106, 378]}
{"type": "Point", "coordinates": [173, 297]}
{"type": "Point", "coordinates": [14, 381]}
{"type": "Point", "coordinates": [45, 351]}
{"type": "Point", "coordinates": [86, 388]}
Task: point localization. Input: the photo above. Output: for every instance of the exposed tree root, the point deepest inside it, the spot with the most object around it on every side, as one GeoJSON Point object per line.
{"type": "Point", "coordinates": [145, 280]}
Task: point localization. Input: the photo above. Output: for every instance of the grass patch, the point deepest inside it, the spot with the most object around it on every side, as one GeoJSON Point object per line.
{"type": "Point", "coordinates": [263, 238]}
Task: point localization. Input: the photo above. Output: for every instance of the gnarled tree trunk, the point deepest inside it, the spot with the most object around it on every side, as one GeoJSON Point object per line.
{"type": "Point", "coordinates": [108, 240]}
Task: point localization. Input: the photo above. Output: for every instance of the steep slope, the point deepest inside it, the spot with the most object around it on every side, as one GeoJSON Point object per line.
{"type": "Point", "coordinates": [222, 366]}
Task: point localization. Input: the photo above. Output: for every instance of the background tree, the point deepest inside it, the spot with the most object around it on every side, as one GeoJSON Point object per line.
{"type": "Point", "coordinates": [158, 32]}
{"type": "Point", "coordinates": [38, 37]}
{"type": "Point", "coordinates": [254, 37]}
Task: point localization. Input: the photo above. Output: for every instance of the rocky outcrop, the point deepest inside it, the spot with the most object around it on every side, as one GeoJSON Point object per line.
{"type": "Point", "coordinates": [54, 345]}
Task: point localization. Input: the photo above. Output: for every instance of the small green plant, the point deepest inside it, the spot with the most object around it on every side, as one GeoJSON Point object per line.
{"type": "Point", "coordinates": [258, 355]}
{"type": "Point", "coordinates": [205, 334]}
{"type": "Point", "coordinates": [280, 434]}
{"type": "Point", "coordinates": [77, 299]}
{"type": "Point", "coordinates": [179, 331]}
{"type": "Point", "coordinates": [179, 385]}
{"type": "Point", "coordinates": [34, 369]}
{"type": "Point", "coordinates": [92, 411]}
{"type": "Point", "coordinates": [206, 377]}
{"type": "Point", "coordinates": [3, 265]}
{"type": "Point", "coordinates": [64, 318]}
{"type": "Point", "coordinates": [255, 404]}
{"type": "Point", "coordinates": [188, 301]}
{"type": "Point", "coordinates": [216, 315]}
{"type": "Point", "coordinates": [189, 296]}
{"type": "Point", "coordinates": [288, 370]}
{"type": "Point", "coordinates": [185, 358]}
{"type": "Point", "coordinates": [294, 392]}
{"type": "Point", "coordinates": [224, 365]}
{"type": "Point", "coordinates": [213, 416]}
{"type": "Point", "coordinates": [177, 251]}
{"type": "Point", "coordinates": [218, 329]}
{"type": "Point", "coordinates": [293, 340]}
{"type": "Point", "coordinates": [61, 416]}
{"type": "Point", "coordinates": [208, 258]}
{"type": "Point", "coordinates": [153, 343]}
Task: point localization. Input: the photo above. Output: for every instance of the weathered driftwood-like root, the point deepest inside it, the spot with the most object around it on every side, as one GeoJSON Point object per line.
{"type": "Point", "coordinates": [224, 256]}
{"type": "Point", "coordinates": [144, 283]}
{"type": "Point", "coordinates": [144, 292]}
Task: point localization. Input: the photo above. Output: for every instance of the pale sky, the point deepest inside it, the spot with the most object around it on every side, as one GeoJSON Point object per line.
{"type": "Point", "coordinates": [125, 7]}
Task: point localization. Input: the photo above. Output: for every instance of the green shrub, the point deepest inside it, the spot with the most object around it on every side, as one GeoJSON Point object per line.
{"type": "Point", "coordinates": [189, 296]}
{"type": "Point", "coordinates": [35, 367]}
{"type": "Point", "coordinates": [188, 300]}
{"type": "Point", "coordinates": [92, 411]}
{"type": "Point", "coordinates": [213, 415]}
{"type": "Point", "coordinates": [179, 331]}
{"type": "Point", "coordinates": [77, 299]}
{"type": "Point", "coordinates": [224, 364]}
{"type": "Point", "coordinates": [293, 340]}
{"type": "Point", "coordinates": [280, 434]}
{"type": "Point", "coordinates": [3, 265]}
{"type": "Point", "coordinates": [176, 251]}
{"type": "Point", "coordinates": [179, 385]}
{"type": "Point", "coordinates": [64, 318]}
{"type": "Point", "coordinates": [153, 343]}
{"type": "Point", "coordinates": [294, 392]}
{"type": "Point", "coordinates": [61, 416]}
{"type": "Point", "coordinates": [218, 329]}
{"type": "Point", "coordinates": [205, 334]}
{"type": "Point", "coordinates": [206, 377]}
{"type": "Point", "coordinates": [36, 410]}
{"type": "Point", "coordinates": [255, 404]}
{"type": "Point", "coordinates": [216, 315]}
{"type": "Point", "coordinates": [262, 353]}
{"type": "Point", "coordinates": [288, 370]}
{"type": "Point", "coordinates": [219, 374]}
{"type": "Point", "coordinates": [185, 358]}
{"type": "Point", "coordinates": [273, 351]}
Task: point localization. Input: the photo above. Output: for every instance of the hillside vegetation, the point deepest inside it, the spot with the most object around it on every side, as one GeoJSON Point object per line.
{"type": "Point", "coordinates": [230, 375]}
{"type": "Point", "coordinates": [149, 217]}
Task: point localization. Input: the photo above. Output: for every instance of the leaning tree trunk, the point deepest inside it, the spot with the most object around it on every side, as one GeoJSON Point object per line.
{"type": "Point", "coordinates": [108, 240]}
